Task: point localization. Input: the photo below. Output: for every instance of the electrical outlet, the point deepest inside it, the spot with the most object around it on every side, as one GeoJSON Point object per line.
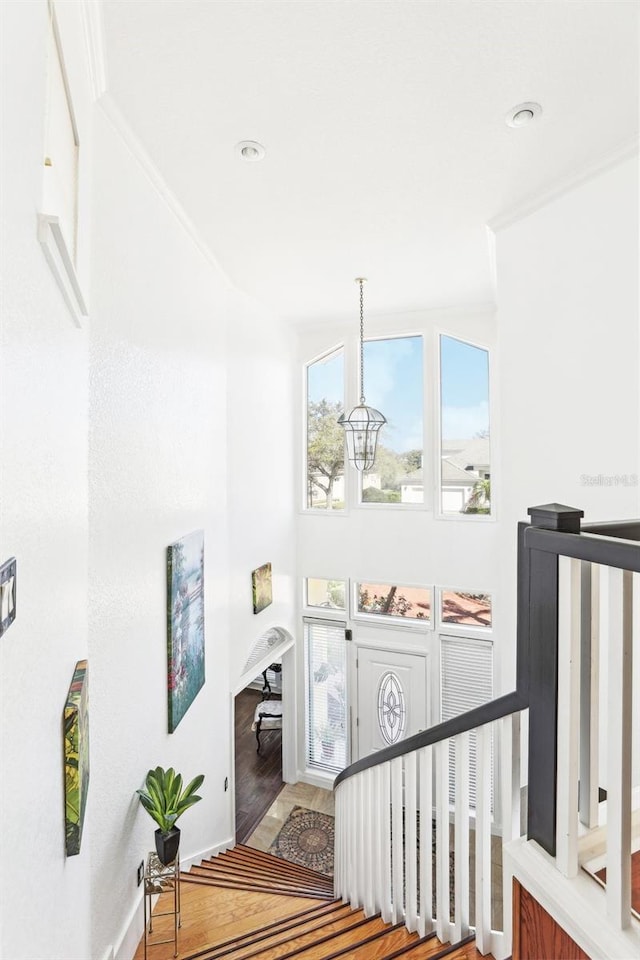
{"type": "Point", "coordinates": [140, 872]}
{"type": "Point", "coordinates": [226, 784]}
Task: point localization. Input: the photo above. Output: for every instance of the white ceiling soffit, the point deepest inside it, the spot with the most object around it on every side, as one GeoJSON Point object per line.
{"type": "Point", "coordinates": [387, 150]}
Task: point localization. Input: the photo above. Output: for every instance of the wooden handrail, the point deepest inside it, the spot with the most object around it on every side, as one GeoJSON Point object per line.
{"type": "Point", "coordinates": [610, 551]}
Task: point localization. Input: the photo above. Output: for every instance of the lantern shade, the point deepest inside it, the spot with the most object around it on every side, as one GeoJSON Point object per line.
{"type": "Point", "coordinates": [361, 428]}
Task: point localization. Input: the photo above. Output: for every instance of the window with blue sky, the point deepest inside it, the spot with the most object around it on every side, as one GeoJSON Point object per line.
{"type": "Point", "coordinates": [325, 437]}
{"type": "Point", "coordinates": [465, 455]}
{"type": "Point", "coordinates": [394, 384]}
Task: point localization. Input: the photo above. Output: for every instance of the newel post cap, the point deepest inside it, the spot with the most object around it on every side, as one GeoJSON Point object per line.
{"type": "Point", "coordinates": [556, 516]}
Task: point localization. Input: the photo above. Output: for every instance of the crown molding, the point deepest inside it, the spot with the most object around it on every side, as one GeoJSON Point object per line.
{"type": "Point", "coordinates": [93, 31]}
{"type": "Point", "coordinates": [564, 185]}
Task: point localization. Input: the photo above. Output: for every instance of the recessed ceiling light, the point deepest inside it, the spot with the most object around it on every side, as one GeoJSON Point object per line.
{"type": "Point", "coordinates": [522, 114]}
{"type": "Point", "coordinates": [250, 150]}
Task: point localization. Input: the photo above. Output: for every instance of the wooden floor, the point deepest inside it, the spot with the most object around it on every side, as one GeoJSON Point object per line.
{"type": "Point", "coordinates": [258, 776]}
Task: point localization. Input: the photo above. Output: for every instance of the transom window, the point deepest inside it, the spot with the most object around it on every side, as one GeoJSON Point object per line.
{"type": "Point", "coordinates": [393, 602]}
{"type": "Point", "coordinates": [327, 594]}
{"type": "Point", "coordinates": [465, 608]}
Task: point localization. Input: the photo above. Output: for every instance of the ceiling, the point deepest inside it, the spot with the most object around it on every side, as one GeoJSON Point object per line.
{"type": "Point", "coordinates": [383, 122]}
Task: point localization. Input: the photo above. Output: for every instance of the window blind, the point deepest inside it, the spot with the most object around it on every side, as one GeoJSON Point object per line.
{"type": "Point", "coordinates": [327, 735]}
{"type": "Point", "coordinates": [466, 682]}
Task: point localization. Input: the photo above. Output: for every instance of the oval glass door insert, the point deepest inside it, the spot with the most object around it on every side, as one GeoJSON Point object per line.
{"type": "Point", "coordinates": [392, 713]}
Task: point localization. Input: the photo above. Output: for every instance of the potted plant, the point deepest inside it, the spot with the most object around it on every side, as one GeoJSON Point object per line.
{"type": "Point", "coordinates": [165, 801]}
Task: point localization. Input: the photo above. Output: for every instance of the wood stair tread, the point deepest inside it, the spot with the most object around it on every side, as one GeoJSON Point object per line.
{"type": "Point", "coordinates": [260, 866]}
{"type": "Point", "coordinates": [275, 883]}
{"type": "Point", "coordinates": [269, 861]}
{"type": "Point", "coordinates": [256, 888]}
{"type": "Point", "coordinates": [210, 870]}
{"type": "Point", "coordinates": [325, 944]}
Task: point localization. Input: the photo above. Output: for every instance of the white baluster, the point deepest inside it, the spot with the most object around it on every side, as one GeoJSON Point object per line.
{"type": "Point", "coordinates": [425, 918]}
{"type": "Point", "coordinates": [509, 808]}
{"type": "Point", "coordinates": [461, 896]}
{"type": "Point", "coordinates": [442, 840]}
{"type": "Point", "coordinates": [411, 842]}
{"type": "Point", "coordinates": [589, 699]}
{"type": "Point", "coordinates": [354, 818]}
{"type": "Point", "coordinates": [397, 840]}
{"type": "Point", "coordinates": [385, 859]}
{"type": "Point", "coordinates": [569, 594]}
{"type": "Point", "coordinates": [619, 756]}
{"type": "Point", "coordinates": [339, 833]}
{"type": "Point", "coordinates": [483, 839]}
{"type": "Point", "coordinates": [375, 839]}
{"type": "Point", "coordinates": [367, 833]}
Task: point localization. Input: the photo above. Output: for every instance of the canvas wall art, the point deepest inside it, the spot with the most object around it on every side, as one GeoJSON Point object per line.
{"type": "Point", "coordinates": [185, 624]}
{"type": "Point", "coordinates": [7, 594]}
{"type": "Point", "coordinates": [76, 757]}
{"type": "Point", "coordinates": [261, 583]}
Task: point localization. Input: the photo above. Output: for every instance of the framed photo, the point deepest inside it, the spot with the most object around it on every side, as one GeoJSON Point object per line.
{"type": "Point", "coordinates": [185, 624]}
{"type": "Point", "coordinates": [261, 584]}
{"type": "Point", "coordinates": [76, 757]}
{"type": "Point", "coordinates": [7, 594]}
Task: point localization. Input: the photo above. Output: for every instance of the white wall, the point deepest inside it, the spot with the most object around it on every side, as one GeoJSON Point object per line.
{"type": "Point", "coordinates": [157, 472]}
{"type": "Point", "coordinates": [261, 474]}
{"type": "Point", "coordinates": [568, 341]}
{"type": "Point", "coordinates": [43, 522]}
{"type": "Point", "coordinates": [169, 411]}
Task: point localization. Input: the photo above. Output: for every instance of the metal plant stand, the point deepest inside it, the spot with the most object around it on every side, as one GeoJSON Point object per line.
{"type": "Point", "coordinates": [159, 878]}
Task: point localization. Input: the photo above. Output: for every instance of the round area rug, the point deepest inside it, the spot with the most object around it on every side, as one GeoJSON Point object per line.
{"type": "Point", "coordinates": [307, 838]}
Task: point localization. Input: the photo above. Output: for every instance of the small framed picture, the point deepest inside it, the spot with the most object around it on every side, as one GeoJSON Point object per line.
{"type": "Point", "coordinates": [7, 594]}
{"type": "Point", "coordinates": [261, 584]}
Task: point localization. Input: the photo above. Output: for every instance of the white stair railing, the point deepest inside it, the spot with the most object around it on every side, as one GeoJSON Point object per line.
{"type": "Point", "coordinates": [390, 816]}
{"type": "Point", "coordinates": [404, 846]}
{"type": "Point", "coordinates": [579, 618]}
{"type": "Point", "coordinates": [607, 623]}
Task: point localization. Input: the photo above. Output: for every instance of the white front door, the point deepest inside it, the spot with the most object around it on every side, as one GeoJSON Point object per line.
{"type": "Point", "coordinates": [392, 697]}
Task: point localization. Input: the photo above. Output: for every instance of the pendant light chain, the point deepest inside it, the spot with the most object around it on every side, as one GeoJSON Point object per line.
{"type": "Point", "coordinates": [361, 424]}
{"type": "Point", "coordinates": [361, 282]}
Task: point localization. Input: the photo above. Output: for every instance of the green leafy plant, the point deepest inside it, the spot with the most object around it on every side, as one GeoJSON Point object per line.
{"type": "Point", "coordinates": [164, 799]}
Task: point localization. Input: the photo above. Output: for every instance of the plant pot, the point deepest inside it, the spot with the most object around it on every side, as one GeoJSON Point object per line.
{"type": "Point", "coordinates": [167, 845]}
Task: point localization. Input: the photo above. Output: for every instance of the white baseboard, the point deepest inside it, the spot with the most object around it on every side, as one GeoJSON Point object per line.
{"type": "Point", "coordinates": [134, 925]}
{"type": "Point", "coordinates": [187, 862]}
{"type": "Point", "coordinates": [316, 779]}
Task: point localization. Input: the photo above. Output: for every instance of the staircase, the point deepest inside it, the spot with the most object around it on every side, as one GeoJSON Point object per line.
{"type": "Point", "coordinates": [326, 930]}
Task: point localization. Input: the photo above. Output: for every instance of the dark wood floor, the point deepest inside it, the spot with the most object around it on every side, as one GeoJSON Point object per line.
{"type": "Point", "coordinates": [258, 776]}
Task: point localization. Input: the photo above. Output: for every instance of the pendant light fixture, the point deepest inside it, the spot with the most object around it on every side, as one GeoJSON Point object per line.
{"type": "Point", "coordinates": [362, 424]}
